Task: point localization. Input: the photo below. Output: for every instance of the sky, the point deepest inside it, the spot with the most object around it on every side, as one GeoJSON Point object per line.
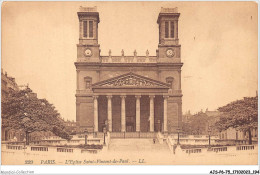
{"type": "Point", "coordinates": [219, 47]}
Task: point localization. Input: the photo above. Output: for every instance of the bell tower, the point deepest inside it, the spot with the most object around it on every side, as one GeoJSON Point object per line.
{"type": "Point", "coordinates": [169, 49]}
{"type": "Point", "coordinates": [88, 47]}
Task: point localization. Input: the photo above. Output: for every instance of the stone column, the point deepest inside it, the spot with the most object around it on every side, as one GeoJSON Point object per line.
{"type": "Point", "coordinates": [176, 29]}
{"type": "Point", "coordinates": [78, 71]}
{"type": "Point", "coordinates": [137, 112]}
{"type": "Point", "coordinates": [95, 97]}
{"type": "Point", "coordinates": [80, 29]}
{"type": "Point", "coordinates": [151, 113]}
{"type": "Point", "coordinates": [123, 113]}
{"type": "Point", "coordinates": [179, 71]}
{"type": "Point", "coordinates": [165, 112]}
{"type": "Point", "coordinates": [109, 112]}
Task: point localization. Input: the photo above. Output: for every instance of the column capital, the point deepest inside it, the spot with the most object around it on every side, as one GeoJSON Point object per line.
{"type": "Point", "coordinates": [152, 96]}
{"type": "Point", "coordinates": [166, 97]}
{"type": "Point", "coordinates": [109, 96]}
{"type": "Point", "coordinates": [95, 97]}
{"type": "Point", "coordinates": [138, 96]}
{"type": "Point", "coordinates": [123, 96]}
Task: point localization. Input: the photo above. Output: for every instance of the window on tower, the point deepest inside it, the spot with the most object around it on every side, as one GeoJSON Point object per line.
{"type": "Point", "coordinates": [85, 28]}
{"type": "Point", "coordinates": [166, 29]}
{"type": "Point", "coordinates": [169, 29]}
{"type": "Point", "coordinates": [172, 29]}
{"type": "Point", "coordinates": [88, 29]}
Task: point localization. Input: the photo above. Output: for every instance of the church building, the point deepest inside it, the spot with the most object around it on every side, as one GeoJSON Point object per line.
{"type": "Point", "coordinates": [129, 93]}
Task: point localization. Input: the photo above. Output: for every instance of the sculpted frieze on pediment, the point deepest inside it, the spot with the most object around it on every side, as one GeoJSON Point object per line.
{"type": "Point", "coordinates": [131, 80]}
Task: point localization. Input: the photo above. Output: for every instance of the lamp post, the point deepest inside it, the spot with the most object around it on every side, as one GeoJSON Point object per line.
{"type": "Point", "coordinates": [178, 149]}
{"type": "Point", "coordinates": [94, 131]}
{"type": "Point", "coordinates": [159, 125]}
{"type": "Point", "coordinates": [27, 135]}
{"type": "Point", "coordinates": [178, 130]}
{"type": "Point", "coordinates": [106, 124]}
{"type": "Point", "coordinates": [209, 132]}
{"type": "Point", "coordinates": [104, 131]}
{"type": "Point", "coordinates": [86, 136]}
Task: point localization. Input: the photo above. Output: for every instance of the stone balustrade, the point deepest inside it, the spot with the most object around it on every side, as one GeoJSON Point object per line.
{"type": "Point", "coordinates": [193, 139]}
{"type": "Point", "coordinates": [129, 59]}
{"type": "Point", "coordinates": [94, 141]}
{"type": "Point", "coordinates": [194, 150]}
{"type": "Point", "coordinates": [175, 136]}
{"type": "Point", "coordinates": [66, 150]}
{"type": "Point", "coordinates": [245, 147]}
{"type": "Point", "coordinates": [14, 147]}
{"type": "Point", "coordinates": [94, 149]}
{"type": "Point", "coordinates": [219, 149]}
{"type": "Point", "coordinates": [39, 148]}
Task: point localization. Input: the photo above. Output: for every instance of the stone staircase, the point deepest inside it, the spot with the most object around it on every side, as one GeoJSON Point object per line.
{"type": "Point", "coordinates": [137, 145]}
{"type": "Point", "coordinates": [141, 151]}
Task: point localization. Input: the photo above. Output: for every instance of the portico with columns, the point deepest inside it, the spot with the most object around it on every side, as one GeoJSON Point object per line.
{"type": "Point", "coordinates": [161, 126]}
{"type": "Point", "coordinates": [129, 93]}
{"type": "Point", "coordinates": [126, 93]}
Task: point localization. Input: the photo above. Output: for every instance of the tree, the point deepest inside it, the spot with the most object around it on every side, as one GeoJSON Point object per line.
{"type": "Point", "coordinates": [240, 114]}
{"type": "Point", "coordinates": [197, 124]}
{"type": "Point", "coordinates": [23, 110]}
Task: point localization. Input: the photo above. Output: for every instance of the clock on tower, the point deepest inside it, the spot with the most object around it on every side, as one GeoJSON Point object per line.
{"type": "Point", "coordinates": [168, 48]}
{"type": "Point", "coordinates": [88, 47]}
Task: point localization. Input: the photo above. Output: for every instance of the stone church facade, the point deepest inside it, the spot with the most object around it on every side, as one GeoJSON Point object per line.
{"type": "Point", "coordinates": [129, 93]}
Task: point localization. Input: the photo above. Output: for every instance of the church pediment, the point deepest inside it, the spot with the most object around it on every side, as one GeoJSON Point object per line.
{"type": "Point", "coordinates": [130, 80]}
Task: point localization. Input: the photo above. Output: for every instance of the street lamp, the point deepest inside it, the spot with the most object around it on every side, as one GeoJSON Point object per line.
{"type": "Point", "coordinates": [106, 124]}
{"type": "Point", "coordinates": [178, 149]}
{"type": "Point", "coordinates": [86, 136]}
{"type": "Point", "coordinates": [104, 131]}
{"type": "Point", "coordinates": [178, 130]}
{"type": "Point", "coordinates": [27, 137]}
{"type": "Point", "coordinates": [94, 131]}
{"type": "Point", "coordinates": [159, 125]}
{"type": "Point", "coordinates": [209, 131]}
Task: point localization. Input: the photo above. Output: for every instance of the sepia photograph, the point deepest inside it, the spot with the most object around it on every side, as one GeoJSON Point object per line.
{"type": "Point", "coordinates": [129, 83]}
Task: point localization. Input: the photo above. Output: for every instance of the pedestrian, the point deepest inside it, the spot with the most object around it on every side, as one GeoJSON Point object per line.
{"type": "Point", "coordinates": [153, 140]}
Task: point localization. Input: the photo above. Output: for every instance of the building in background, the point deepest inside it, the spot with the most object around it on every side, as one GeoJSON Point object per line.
{"type": "Point", "coordinates": [231, 135]}
{"type": "Point", "coordinates": [8, 84]}
{"type": "Point", "coordinates": [186, 117]}
{"type": "Point", "coordinates": [237, 135]}
{"type": "Point", "coordinates": [213, 117]}
{"type": "Point", "coordinates": [71, 126]}
{"type": "Point", "coordinates": [129, 93]}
